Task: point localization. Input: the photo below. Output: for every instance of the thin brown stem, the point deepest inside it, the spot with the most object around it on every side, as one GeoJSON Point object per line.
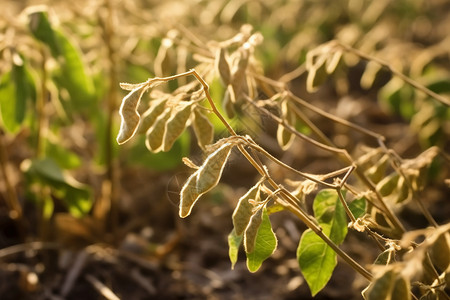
{"type": "Point", "coordinates": [110, 185]}
{"type": "Point", "coordinates": [347, 158]}
{"type": "Point", "coordinates": [286, 199]}
{"type": "Point", "coordinates": [11, 199]}
{"type": "Point", "coordinates": [399, 74]}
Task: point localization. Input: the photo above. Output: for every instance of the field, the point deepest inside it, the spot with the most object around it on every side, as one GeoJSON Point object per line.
{"type": "Point", "coordinates": [240, 149]}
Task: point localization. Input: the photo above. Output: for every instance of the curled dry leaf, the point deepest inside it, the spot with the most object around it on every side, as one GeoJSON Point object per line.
{"type": "Point", "coordinates": [222, 66]}
{"type": "Point", "coordinates": [129, 115]}
{"type": "Point", "coordinates": [227, 102]}
{"type": "Point", "coordinates": [238, 79]}
{"type": "Point", "coordinates": [332, 60]}
{"type": "Point", "coordinates": [285, 137]}
{"type": "Point", "coordinates": [155, 134]}
{"type": "Point", "coordinates": [131, 86]}
{"type": "Point", "coordinates": [203, 129]}
{"type": "Point", "coordinates": [211, 170]}
{"type": "Point", "coordinates": [176, 124]}
{"type": "Point", "coordinates": [204, 179]}
{"type": "Point", "coordinates": [244, 210]}
{"type": "Point", "coordinates": [369, 75]}
{"type": "Point", "coordinates": [148, 118]}
{"type": "Point", "coordinates": [252, 230]}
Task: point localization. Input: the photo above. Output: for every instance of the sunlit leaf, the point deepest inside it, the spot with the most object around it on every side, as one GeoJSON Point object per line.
{"type": "Point", "coordinates": [155, 134]}
{"type": "Point", "coordinates": [251, 230]}
{"type": "Point", "coordinates": [129, 115]}
{"type": "Point", "coordinates": [244, 210]}
{"type": "Point", "coordinates": [358, 207]}
{"type": "Point", "coordinates": [222, 66]}
{"type": "Point", "coordinates": [234, 241]}
{"type": "Point", "coordinates": [72, 74]}
{"type": "Point", "coordinates": [284, 136]}
{"type": "Point", "coordinates": [8, 103]}
{"type": "Point", "coordinates": [316, 259]}
{"type": "Point", "coordinates": [42, 30]}
{"type": "Point", "coordinates": [25, 90]}
{"type": "Point", "coordinates": [148, 118]}
{"type": "Point", "coordinates": [176, 124]}
{"type": "Point", "coordinates": [203, 129]}
{"type": "Point", "coordinates": [204, 179]}
{"type": "Point", "coordinates": [17, 91]}
{"type": "Point", "coordinates": [265, 244]}
{"type": "Point", "coordinates": [209, 174]}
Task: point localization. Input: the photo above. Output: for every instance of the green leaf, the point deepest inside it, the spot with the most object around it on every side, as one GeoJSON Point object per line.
{"type": "Point", "coordinates": [265, 244]}
{"type": "Point", "coordinates": [7, 103]}
{"type": "Point", "coordinates": [358, 207]}
{"type": "Point", "coordinates": [316, 259]}
{"type": "Point", "coordinates": [17, 88]}
{"type": "Point", "coordinates": [234, 241]}
{"type": "Point", "coordinates": [72, 75]}
{"type": "Point", "coordinates": [42, 30]}
{"type": "Point", "coordinates": [65, 158]}
{"type": "Point", "coordinates": [329, 210]}
{"type": "Point", "coordinates": [75, 195]}
{"type": "Point", "coordinates": [244, 210]}
{"type": "Point", "coordinates": [25, 90]}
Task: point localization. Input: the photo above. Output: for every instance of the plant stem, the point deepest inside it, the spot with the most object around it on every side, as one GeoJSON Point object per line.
{"type": "Point", "coordinates": [286, 198]}
{"type": "Point", "coordinates": [11, 199]}
{"type": "Point", "coordinates": [402, 76]}
{"type": "Point", "coordinates": [111, 185]}
{"type": "Point", "coordinates": [329, 146]}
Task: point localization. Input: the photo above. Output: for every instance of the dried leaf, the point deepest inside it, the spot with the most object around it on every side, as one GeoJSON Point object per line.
{"type": "Point", "coordinates": [332, 61]}
{"type": "Point", "coordinates": [155, 134]}
{"type": "Point", "coordinates": [227, 102]}
{"type": "Point", "coordinates": [203, 129]}
{"type": "Point", "coordinates": [211, 170]}
{"type": "Point", "coordinates": [238, 80]}
{"type": "Point", "coordinates": [377, 170]}
{"type": "Point", "coordinates": [252, 230]}
{"type": "Point", "coordinates": [188, 196]}
{"type": "Point", "coordinates": [131, 86]}
{"type": "Point", "coordinates": [440, 252]}
{"type": "Point", "coordinates": [189, 163]}
{"type": "Point", "coordinates": [285, 137]}
{"type": "Point", "coordinates": [403, 190]}
{"type": "Point", "coordinates": [244, 210]}
{"type": "Point", "coordinates": [369, 75]}
{"type": "Point", "coordinates": [148, 118]}
{"type": "Point", "coordinates": [204, 179]}
{"type": "Point", "coordinates": [176, 124]}
{"type": "Point", "coordinates": [223, 67]}
{"type": "Point", "coordinates": [388, 184]}
{"type": "Point", "coordinates": [129, 115]}
{"type": "Point", "coordinates": [234, 241]}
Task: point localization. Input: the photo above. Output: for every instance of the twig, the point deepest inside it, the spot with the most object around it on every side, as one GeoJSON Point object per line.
{"type": "Point", "coordinates": [26, 247]}
{"type": "Point", "coordinates": [11, 199]}
{"type": "Point", "coordinates": [402, 76]}
{"type": "Point", "coordinates": [101, 288]}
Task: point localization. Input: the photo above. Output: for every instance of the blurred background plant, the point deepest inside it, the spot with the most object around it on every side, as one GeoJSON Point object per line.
{"type": "Point", "coordinates": [66, 186]}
